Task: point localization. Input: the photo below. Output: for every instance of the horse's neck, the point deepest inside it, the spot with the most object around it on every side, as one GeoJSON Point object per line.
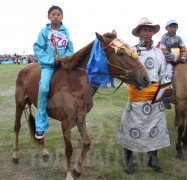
{"type": "Point", "coordinates": [82, 56]}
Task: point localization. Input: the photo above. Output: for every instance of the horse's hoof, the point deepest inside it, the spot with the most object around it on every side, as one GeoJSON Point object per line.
{"type": "Point", "coordinates": [15, 160]}
{"type": "Point", "coordinates": [184, 148]}
{"type": "Point", "coordinates": [45, 157]}
{"type": "Point", "coordinates": [180, 157]}
{"type": "Point", "coordinates": [76, 173]}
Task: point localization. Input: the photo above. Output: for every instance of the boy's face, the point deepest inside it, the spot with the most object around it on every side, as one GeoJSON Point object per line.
{"type": "Point", "coordinates": [172, 29]}
{"type": "Point", "coordinates": [55, 16]}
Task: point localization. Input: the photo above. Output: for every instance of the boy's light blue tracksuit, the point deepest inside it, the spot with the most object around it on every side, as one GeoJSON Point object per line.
{"type": "Point", "coordinates": [45, 54]}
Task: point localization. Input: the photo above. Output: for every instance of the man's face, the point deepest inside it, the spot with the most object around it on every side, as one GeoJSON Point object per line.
{"type": "Point", "coordinates": [146, 33]}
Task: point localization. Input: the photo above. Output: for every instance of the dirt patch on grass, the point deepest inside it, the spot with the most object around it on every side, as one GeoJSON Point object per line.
{"type": "Point", "coordinates": [9, 170]}
{"type": "Point", "coordinates": [8, 92]}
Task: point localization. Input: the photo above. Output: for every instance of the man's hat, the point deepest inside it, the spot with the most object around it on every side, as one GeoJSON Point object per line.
{"type": "Point", "coordinates": [145, 22]}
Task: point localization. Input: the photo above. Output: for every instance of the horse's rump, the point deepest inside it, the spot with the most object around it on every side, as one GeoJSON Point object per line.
{"type": "Point", "coordinates": [27, 83]}
{"type": "Point", "coordinates": [180, 83]}
{"type": "Point", "coordinates": [180, 95]}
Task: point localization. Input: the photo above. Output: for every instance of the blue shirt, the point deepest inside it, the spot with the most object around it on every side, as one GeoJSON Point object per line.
{"type": "Point", "coordinates": [44, 49]}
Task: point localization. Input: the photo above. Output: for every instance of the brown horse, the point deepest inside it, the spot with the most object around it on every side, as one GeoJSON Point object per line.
{"type": "Point", "coordinates": [179, 98]}
{"type": "Point", "coordinates": [70, 96]}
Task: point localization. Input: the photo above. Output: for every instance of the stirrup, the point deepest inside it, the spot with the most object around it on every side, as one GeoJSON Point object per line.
{"type": "Point", "coordinates": [166, 103]}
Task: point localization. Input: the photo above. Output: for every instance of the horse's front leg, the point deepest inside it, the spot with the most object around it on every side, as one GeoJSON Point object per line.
{"type": "Point", "coordinates": [68, 147]}
{"type": "Point", "coordinates": [184, 137]}
{"type": "Point", "coordinates": [177, 118]}
{"type": "Point", "coordinates": [180, 154]}
{"type": "Point", "coordinates": [86, 145]}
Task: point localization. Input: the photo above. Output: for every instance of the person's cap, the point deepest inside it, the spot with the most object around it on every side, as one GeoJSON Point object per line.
{"type": "Point", "coordinates": [145, 22]}
{"type": "Point", "coordinates": [171, 21]}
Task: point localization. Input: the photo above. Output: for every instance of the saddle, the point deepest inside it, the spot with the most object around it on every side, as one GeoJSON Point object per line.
{"type": "Point", "coordinates": [180, 61]}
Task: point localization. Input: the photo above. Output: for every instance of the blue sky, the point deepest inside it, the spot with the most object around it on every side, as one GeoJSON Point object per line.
{"type": "Point", "coordinates": [22, 20]}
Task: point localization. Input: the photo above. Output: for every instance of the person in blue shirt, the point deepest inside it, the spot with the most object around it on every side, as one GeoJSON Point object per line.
{"type": "Point", "coordinates": [44, 51]}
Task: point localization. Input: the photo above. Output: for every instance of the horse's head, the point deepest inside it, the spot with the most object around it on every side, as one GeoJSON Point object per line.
{"type": "Point", "coordinates": [123, 61]}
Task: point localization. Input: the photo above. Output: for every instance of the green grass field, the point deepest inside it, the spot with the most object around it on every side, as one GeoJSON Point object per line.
{"type": "Point", "coordinates": [104, 161]}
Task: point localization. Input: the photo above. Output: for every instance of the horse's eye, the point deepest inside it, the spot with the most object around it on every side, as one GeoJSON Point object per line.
{"type": "Point", "coordinates": [120, 53]}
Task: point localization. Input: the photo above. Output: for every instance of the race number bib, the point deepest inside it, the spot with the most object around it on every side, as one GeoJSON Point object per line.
{"type": "Point", "coordinates": [60, 38]}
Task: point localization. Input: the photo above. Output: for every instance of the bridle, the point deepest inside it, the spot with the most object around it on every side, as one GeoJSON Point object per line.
{"type": "Point", "coordinates": [118, 44]}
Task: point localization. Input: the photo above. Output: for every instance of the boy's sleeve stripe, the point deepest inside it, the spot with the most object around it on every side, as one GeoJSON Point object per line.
{"type": "Point", "coordinates": [183, 48]}
{"type": "Point", "coordinates": [163, 50]}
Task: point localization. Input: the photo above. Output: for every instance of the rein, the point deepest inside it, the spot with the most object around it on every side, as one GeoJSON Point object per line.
{"type": "Point", "coordinates": [110, 75]}
{"type": "Point", "coordinates": [113, 91]}
{"type": "Point", "coordinates": [80, 69]}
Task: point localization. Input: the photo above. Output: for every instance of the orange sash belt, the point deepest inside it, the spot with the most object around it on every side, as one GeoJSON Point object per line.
{"type": "Point", "coordinates": [145, 94]}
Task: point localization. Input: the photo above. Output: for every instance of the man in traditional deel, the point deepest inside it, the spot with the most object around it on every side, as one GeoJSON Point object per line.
{"type": "Point", "coordinates": [143, 125]}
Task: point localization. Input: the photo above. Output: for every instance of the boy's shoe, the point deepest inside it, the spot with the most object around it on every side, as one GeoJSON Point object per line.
{"type": "Point", "coordinates": [166, 103]}
{"type": "Point", "coordinates": [39, 134]}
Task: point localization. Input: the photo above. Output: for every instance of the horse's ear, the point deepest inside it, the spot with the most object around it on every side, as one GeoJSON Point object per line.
{"type": "Point", "coordinates": [101, 40]}
{"type": "Point", "coordinates": [99, 37]}
{"type": "Point", "coordinates": [114, 31]}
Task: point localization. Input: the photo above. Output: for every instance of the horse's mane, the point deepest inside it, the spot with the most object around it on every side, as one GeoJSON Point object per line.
{"type": "Point", "coordinates": [74, 59]}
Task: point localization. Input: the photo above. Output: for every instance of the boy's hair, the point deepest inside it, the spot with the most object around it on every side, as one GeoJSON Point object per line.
{"type": "Point", "coordinates": [54, 7]}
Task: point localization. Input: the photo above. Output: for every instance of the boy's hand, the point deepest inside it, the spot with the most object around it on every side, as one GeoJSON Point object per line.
{"type": "Point", "coordinates": [182, 60]}
{"type": "Point", "coordinates": [57, 61]}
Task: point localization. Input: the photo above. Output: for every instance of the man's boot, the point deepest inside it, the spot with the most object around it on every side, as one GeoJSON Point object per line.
{"type": "Point", "coordinates": [128, 165]}
{"type": "Point", "coordinates": [153, 161]}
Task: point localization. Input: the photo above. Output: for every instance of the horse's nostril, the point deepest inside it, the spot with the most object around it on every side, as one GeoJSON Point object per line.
{"type": "Point", "coordinates": [146, 80]}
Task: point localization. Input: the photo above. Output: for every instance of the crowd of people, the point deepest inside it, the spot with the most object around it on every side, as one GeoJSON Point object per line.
{"type": "Point", "coordinates": [17, 59]}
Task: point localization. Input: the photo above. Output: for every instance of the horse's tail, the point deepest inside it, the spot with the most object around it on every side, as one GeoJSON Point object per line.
{"type": "Point", "coordinates": [31, 121]}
